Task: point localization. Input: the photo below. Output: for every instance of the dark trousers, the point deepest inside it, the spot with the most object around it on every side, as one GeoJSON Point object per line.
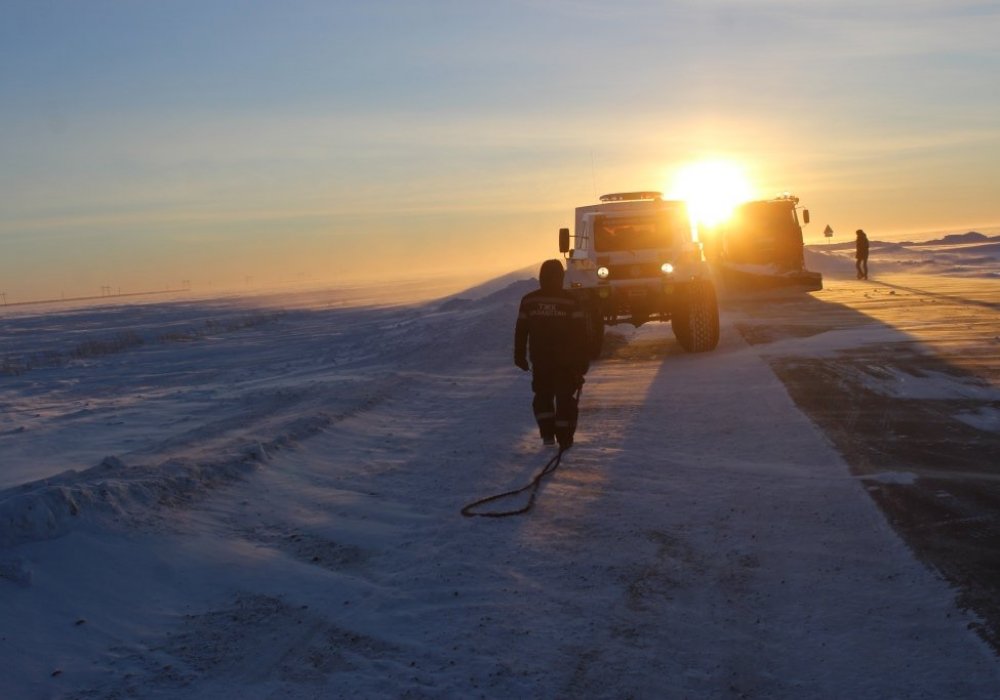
{"type": "Point", "coordinates": [555, 402]}
{"type": "Point", "coordinates": [862, 265]}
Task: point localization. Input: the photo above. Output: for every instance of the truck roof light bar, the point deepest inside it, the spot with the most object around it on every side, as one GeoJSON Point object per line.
{"type": "Point", "coordinates": [630, 196]}
{"type": "Point", "coordinates": [786, 196]}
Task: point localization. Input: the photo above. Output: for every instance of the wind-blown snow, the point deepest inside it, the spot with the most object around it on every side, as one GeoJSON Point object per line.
{"type": "Point", "coordinates": [205, 500]}
{"type": "Point", "coordinates": [969, 255]}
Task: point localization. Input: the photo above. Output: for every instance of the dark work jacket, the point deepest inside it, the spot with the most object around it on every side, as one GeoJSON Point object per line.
{"type": "Point", "coordinates": [861, 248]}
{"type": "Point", "coordinates": [551, 329]}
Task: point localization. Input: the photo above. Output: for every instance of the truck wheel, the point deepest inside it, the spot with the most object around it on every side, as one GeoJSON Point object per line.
{"type": "Point", "coordinates": [595, 333]}
{"type": "Point", "coordinates": [696, 319]}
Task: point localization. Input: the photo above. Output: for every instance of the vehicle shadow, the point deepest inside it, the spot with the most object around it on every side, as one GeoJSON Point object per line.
{"type": "Point", "coordinates": [991, 305]}
{"type": "Point", "coordinates": [917, 428]}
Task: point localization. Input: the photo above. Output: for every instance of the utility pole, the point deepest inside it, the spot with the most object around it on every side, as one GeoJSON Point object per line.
{"type": "Point", "coordinates": [3, 295]}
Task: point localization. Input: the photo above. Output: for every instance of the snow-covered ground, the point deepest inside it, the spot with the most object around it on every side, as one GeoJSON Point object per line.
{"type": "Point", "coordinates": [969, 254]}
{"type": "Point", "coordinates": [218, 499]}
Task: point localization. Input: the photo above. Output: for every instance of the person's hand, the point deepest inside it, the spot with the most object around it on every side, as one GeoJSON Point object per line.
{"type": "Point", "coordinates": [522, 363]}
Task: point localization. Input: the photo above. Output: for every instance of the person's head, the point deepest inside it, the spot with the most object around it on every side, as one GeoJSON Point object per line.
{"type": "Point", "coordinates": [550, 277]}
{"type": "Point", "coordinates": [861, 234]}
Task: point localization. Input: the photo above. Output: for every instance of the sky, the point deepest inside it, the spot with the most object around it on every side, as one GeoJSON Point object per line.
{"type": "Point", "coordinates": [147, 145]}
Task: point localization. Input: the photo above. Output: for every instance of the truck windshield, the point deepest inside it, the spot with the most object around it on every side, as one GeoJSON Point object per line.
{"type": "Point", "coordinates": [765, 233]}
{"type": "Point", "coordinates": [659, 230]}
{"type": "Point", "coordinates": [765, 217]}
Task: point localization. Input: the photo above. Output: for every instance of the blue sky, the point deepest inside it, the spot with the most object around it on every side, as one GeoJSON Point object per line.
{"type": "Point", "coordinates": [143, 143]}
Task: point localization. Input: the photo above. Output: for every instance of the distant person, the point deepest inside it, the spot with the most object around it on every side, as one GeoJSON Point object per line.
{"type": "Point", "coordinates": [861, 254]}
{"type": "Point", "coordinates": [551, 330]}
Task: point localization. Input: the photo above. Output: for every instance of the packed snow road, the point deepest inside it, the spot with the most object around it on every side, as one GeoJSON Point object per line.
{"type": "Point", "coordinates": [908, 389]}
{"type": "Point", "coordinates": [280, 518]}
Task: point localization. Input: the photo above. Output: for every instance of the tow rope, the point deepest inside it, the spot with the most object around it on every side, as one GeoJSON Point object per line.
{"type": "Point", "coordinates": [532, 486]}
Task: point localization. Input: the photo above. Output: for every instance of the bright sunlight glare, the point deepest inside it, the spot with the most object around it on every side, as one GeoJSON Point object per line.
{"type": "Point", "coordinates": [712, 189]}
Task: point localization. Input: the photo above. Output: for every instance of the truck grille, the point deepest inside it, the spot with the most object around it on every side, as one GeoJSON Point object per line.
{"type": "Point", "coordinates": [633, 271]}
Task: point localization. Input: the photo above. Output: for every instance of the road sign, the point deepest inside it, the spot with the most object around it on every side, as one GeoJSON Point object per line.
{"type": "Point", "coordinates": [828, 232]}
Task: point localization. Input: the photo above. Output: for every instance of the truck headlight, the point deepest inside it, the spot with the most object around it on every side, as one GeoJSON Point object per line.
{"type": "Point", "coordinates": [603, 272]}
{"type": "Point", "coordinates": [667, 268]}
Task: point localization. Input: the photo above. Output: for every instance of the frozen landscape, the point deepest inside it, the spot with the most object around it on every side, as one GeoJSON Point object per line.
{"type": "Point", "coordinates": [260, 497]}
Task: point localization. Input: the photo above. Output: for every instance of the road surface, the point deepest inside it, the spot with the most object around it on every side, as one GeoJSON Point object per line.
{"type": "Point", "coordinates": [911, 398]}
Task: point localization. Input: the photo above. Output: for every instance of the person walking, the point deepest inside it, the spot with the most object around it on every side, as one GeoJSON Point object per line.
{"type": "Point", "coordinates": [861, 254]}
{"type": "Point", "coordinates": [551, 332]}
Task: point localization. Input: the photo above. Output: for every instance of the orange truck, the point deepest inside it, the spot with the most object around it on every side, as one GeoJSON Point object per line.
{"type": "Point", "coordinates": [760, 248]}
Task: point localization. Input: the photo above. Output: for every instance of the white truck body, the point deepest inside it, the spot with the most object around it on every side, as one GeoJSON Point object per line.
{"type": "Point", "coordinates": [635, 258]}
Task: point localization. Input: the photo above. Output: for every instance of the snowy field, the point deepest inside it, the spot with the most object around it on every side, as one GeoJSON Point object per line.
{"type": "Point", "coordinates": [261, 499]}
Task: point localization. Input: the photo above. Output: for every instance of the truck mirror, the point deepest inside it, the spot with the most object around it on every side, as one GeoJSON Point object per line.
{"type": "Point", "coordinates": [564, 240]}
{"type": "Point", "coordinates": [805, 216]}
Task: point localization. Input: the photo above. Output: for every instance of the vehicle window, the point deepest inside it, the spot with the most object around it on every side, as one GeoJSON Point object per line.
{"type": "Point", "coordinates": [765, 218]}
{"type": "Point", "coordinates": [660, 230]}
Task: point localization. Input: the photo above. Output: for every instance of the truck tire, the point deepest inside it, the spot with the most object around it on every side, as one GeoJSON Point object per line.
{"type": "Point", "coordinates": [696, 317]}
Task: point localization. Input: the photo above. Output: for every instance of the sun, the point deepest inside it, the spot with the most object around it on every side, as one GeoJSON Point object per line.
{"type": "Point", "coordinates": [712, 189]}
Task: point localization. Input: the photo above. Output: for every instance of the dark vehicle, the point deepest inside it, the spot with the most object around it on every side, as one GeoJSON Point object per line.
{"type": "Point", "coordinates": [760, 248]}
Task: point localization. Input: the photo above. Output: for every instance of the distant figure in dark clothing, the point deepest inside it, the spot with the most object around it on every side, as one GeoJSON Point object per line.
{"type": "Point", "coordinates": [551, 330]}
{"type": "Point", "coordinates": [861, 254]}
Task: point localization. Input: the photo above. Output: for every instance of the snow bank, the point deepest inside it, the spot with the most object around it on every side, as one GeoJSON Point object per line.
{"type": "Point", "coordinates": [113, 494]}
{"type": "Point", "coordinates": [965, 256]}
{"type": "Point", "coordinates": [205, 395]}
